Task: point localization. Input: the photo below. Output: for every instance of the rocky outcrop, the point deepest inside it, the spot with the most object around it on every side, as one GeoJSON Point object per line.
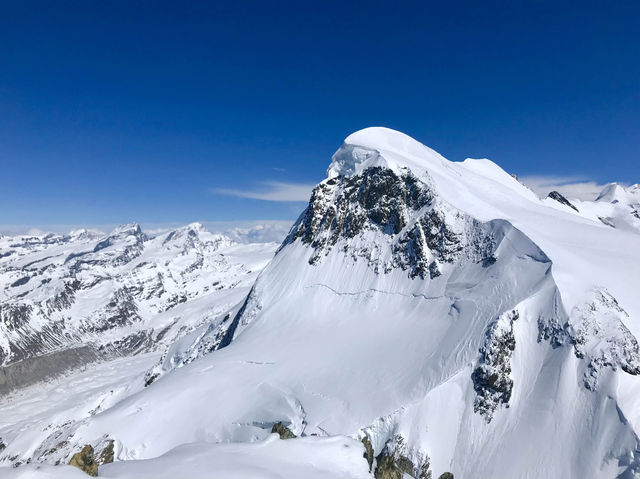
{"type": "Point", "coordinates": [107, 455]}
{"type": "Point", "coordinates": [601, 338]}
{"type": "Point", "coordinates": [492, 377]}
{"type": "Point", "coordinates": [85, 461]}
{"type": "Point", "coordinates": [554, 195]}
{"type": "Point", "coordinates": [399, 210]}
{"type": "Point", "coordinates": [283, 431]}
{"type": "Point", "coordinates": [393, 462]}
{"type": "Point", "coordinates": [368, 451]}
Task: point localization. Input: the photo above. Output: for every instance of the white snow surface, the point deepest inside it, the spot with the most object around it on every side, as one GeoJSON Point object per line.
{"type": "Point", "coordinates": [346, 344]}
{"type": "Point", "coordinates": [337, 457]}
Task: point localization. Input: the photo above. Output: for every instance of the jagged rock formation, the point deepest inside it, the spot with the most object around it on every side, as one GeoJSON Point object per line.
{"type": "Point", "coordinates": [554, 195]}
{"type": "Point", "coordinates": [397, 208]}
{"type": "Point", "coordinates": [492, 377]}
{"type": "Point", "coordinates": [107, 455]}
{"type": "Point", "coordinates": [393, 463]}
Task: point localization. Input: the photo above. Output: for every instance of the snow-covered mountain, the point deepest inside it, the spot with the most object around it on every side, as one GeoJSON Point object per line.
{"type": "Point", "coordinates": [66, 300]}
{"type": "Point", "coordinates": [616, 206]}
{"type": "Point", "coordinates": [435, 317]}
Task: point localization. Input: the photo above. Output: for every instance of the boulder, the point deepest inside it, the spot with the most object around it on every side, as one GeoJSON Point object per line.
{"type": "Point", "coordinates": [85, 461]}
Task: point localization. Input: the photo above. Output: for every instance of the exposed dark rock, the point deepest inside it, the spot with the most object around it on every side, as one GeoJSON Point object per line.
{"type": "Point", "coordinates": [283, 431]}
{"type": "Point", "coordinates": [492, 377]}
{"type": "Point", "coordinates": [373, 199]}
{"type": "Point", "coordinates": [393, 463]}
{"type": "Point", "coordinates": [380, 201]}
{"type": "Point", "coordinates": [368, 451]}
{"type": "Point", "coordinates": [386, 468]}
{"type": "Point", "coordinates": [14, 315]}
{"type": "Point", "coordinates": [607, 221]}
{"type": "Point", "coordinates": [64, 298]}
{"type": "Point", "coordinates": [553, 326]}
{"type": "Point", "coordinates": [107, 455]}
{"type": "Point", "coordinates": [224, 335]}
{"type": "Point", "coordinates": [446, 475]}
{"type": "Point", "coordinates": [133, 343]}
{"type": "Point", "coordinates": [554, 195]}
{"type": "Point", "coordinates": [550, 329]}
{"type": "Point", "coordinates": [149, 378]}
{"type": "Point", "coordinates": [21, 281]}
{"type": "Point", "coordinates": [85, 461]}
{"type": "Point", "coordinates": [54, 449]}
{"type": "Point", "coordinates": [488, 261]}
{"type": "Point", "coordinates": [120, 311]}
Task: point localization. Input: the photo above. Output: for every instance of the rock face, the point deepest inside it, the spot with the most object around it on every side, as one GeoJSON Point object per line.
{"type": "Point", "coordinates": [283, 431]}
{"type": "Point", "coordinates": [368, 451]}
{"type": "Point", "coordinates": [422, 233]}
{"type": "Point", "coordinates": [554, 195]}
{"type": "Point", "coordinates": [107, 455]}
{"type": "Point", "coordinates": [492, 377]}
{"type": "Point", "coordinates": [85, 461]}
{"type": "Point", "coordinates": [77, 298]}
{"type": "Point", "coordinates": [393, 463]}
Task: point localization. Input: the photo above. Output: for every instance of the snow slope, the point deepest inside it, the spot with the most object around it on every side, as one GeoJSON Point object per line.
{"type": "Point", "coordinates": [311, 458]}
{"type": "Point", "coordinates": [440, 309]}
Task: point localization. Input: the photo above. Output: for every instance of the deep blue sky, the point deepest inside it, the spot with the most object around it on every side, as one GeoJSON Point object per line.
{"type": "Point", "coordinates": [119, 111]}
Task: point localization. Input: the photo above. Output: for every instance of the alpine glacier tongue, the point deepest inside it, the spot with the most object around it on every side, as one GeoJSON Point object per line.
{"type": "Point", "coordinates": [440, 312]}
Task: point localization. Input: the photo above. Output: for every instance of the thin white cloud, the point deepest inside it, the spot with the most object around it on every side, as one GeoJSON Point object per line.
{"type": "Point", "coordinates": [271, 191]}
{"type": "Point", "coordinates": [569, 186]}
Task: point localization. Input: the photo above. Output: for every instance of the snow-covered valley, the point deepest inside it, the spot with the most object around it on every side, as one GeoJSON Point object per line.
{"type": "Point", "coordinates": [422, 318]}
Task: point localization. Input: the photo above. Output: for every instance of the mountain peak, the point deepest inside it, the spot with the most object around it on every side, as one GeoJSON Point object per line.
{"type": "Point", "coordinates": [129, 228]}
{"type": "Point", "coordinates": [616, 193]}
{"type": "Point", "coordinates": [379, 146]}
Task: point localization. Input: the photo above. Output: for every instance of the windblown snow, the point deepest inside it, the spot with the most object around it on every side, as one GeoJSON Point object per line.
{"type": "Point", "coordinates": [422, 317]}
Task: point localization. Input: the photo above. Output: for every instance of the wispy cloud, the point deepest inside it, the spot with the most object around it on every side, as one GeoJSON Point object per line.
{"type": "Point", "coordinates": [271, 191]}
{"type": "Point", "coordinates": [569, 186]}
